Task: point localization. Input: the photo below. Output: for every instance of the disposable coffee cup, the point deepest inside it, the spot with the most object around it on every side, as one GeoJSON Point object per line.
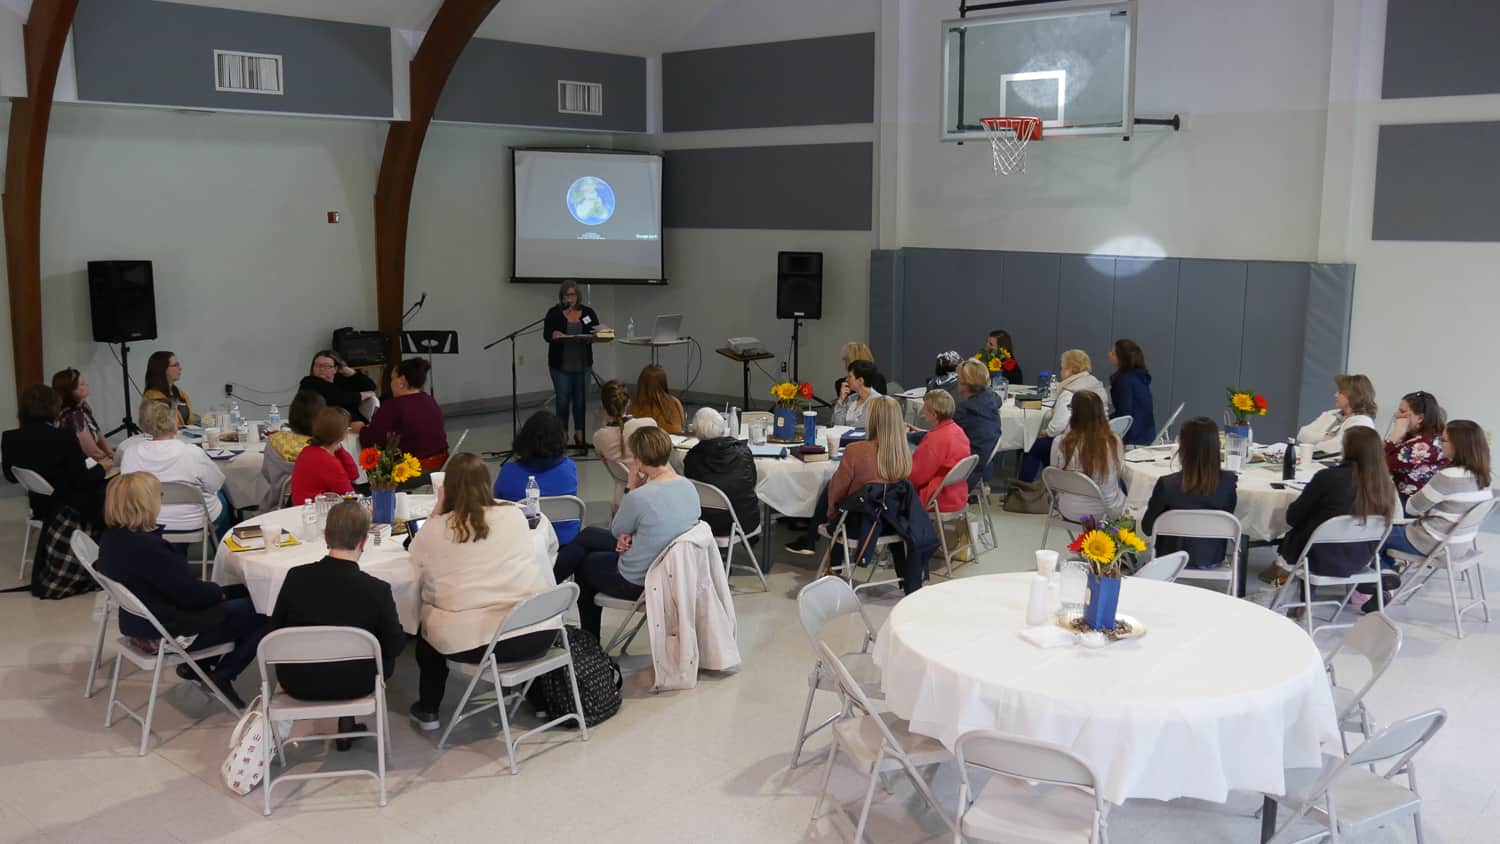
{"type": "Point", "coordinates": [437, 480]}
{"type": "Point", "coordinates": [272, 535]}
{"type": "Point", "coordinates": [211, 436]}
{"type": "Point", "coordinates": [1046, 563]}
{"type": "Point", "coordinates": [1305, 454]}
{"type": "Point", "coordinates": [831, 442]}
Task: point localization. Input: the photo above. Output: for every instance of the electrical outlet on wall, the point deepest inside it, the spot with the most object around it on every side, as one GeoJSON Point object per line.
{"type": "Point", "coordinates": [520, 360]}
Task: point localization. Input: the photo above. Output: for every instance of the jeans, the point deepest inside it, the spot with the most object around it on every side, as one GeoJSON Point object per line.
{"type": "Point", "coordinates": [591, 560]}
{"type": "Point", "coordinates": [571, 388]}
{"type": "Point", "coordinates": [819, 516]}
{"type": "Point", "coordinates": [432, 664]}
{"type": "Point", "coordinates": [244, 627]}
{"type": "Point", "coordinates": [1397, 541]}
{"type": "Point", "coordinates": [1037, 457]}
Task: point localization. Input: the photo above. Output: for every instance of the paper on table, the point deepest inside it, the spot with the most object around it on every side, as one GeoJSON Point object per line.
{"type": "Point", "coordinates": [679, 441]}
{"type": "Point", "coordinates": [1049, 636]}
{"type": "Point", "coordinates": [768, 450]}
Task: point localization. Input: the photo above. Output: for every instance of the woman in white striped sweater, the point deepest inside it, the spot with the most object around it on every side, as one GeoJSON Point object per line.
{"type": "Point", "coordinates": [1450, 494]}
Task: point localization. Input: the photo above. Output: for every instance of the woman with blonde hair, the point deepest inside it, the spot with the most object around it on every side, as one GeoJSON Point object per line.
{"type": "Point", "coordinates": [883, 456]}
{"type": "Point", "coordinates": [654, 400]}
{"type": "Point", "coordinates": [476, 562]}
{"type": "Point", "coordinates": [977, 413]}
{"type": "Point", "coordinates": [1354, 407]}
{"type": "Point", "coordinates": [1076, 378]}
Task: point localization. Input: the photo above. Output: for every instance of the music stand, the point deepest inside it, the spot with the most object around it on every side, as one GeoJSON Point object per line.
{"type": "Point", "coordinates": [429, 343]}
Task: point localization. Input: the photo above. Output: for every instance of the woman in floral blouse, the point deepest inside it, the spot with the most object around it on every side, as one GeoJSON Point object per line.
{"type": "Point", "coordinates": [1412, 450]}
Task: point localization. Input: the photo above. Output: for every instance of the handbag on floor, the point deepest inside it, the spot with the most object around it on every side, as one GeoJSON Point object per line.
{"type": "Point", "coordinates": [1027, 497]}
{"type": "Point", "coordinates": [249, 743]}
{"type": "Point", "coordinates": [599, 682]}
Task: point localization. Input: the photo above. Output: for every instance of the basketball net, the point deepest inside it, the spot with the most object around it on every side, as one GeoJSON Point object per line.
{"type": "Point", "coordinates": [1008, 139]}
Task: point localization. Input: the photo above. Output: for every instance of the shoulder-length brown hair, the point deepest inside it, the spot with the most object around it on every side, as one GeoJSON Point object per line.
{"type": "Point", "coordinates": [1374, 493]}
{"type": "Point", "coordinates": [1359, 391]}
{"type": "Point", "coordinates": [65, 382]}
{"type": "Point", "coordinates": [1089, 439]}
{"type": "Point", "coordinates": [466, 494]}
{"type": "Point", "coordinates": [1471, 449]}
{"type": "Point", "coordinates": [1129, 354]}
{"type": "Point", "coordinates": [652, 398]}
{"type": "Point", "coordinates": [156, 374]}
{"type": "Point", "coordinates": [1198, 452]}
{"type": "Point", "coordinates": [1425, 405]}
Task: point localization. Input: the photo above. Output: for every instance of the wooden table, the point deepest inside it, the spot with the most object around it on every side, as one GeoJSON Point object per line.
{"type": "Point", "coordinates": [744, 361]}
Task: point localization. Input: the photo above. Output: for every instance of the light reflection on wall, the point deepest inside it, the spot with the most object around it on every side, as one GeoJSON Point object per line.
{"type": "Point", "coordinates": [1102, 257]}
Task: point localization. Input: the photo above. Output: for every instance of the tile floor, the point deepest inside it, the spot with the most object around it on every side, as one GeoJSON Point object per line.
{"type": "Point", "coordinates": [710, 763]}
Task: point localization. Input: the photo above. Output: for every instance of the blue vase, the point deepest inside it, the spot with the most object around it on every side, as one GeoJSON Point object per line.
{"type": "Point", "coordinates": [787, 422]}
{"type": "Point", "coordinates": [1104, 599]}
{"type": "Point", "coordinates": [383, 511]}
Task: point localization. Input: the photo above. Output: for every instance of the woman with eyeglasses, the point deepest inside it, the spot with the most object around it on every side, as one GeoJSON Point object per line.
{"type": "Point", "coordinates": [1413, 452]}
{"type": "Point", "coordinates": [163, 371]}
{"type": "Point", "coordinates": [340, 385]}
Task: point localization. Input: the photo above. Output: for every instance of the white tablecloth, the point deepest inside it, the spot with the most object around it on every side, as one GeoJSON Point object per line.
{"type": "Point", "coordinates": [791, 487]}
{"type": "Point", "coordinates": [1219, 695]}
{"type": "Point", "coordinates": [263, 572]}
{"type": "Point", "coordinates": [1019, 428]}
{"type": "Point", "coordinates": [1260, 509]}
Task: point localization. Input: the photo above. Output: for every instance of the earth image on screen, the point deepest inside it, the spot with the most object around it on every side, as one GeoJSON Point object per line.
{"type": "Point", "coordinates": [591, 200]}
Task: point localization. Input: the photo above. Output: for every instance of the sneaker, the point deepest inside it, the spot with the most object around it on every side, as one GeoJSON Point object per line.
{"type": "Point", "coordinates": [1371, 605]}
{"type": "Point", "coordinates": [226, 688]}
{"type": "Point", "coordinates": [801, 547]}
{"type": "Point", "coordinates": [424, 718]}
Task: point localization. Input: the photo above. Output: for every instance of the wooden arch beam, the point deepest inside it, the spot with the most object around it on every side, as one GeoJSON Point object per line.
{"type": "Point", "coordinates": [46, 32]}
{"type": "Point", "coordinates": [452, 28]}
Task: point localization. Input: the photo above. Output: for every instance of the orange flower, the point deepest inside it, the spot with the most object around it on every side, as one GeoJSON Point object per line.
{"type": "Point", "coordinates": [369, 458]}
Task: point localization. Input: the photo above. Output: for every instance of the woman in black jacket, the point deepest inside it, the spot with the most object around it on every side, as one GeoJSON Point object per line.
{"type": "Point", "coordinates": [1201, 485]}
{"type": "Point", "coordinates": [133, 553]}
{"type": "Point", "coordinates": [340, 385]}
{"type": "Point", "coordinates": [726, 463]}
{"type": "Point", "coordinates": [978, 414]}
{"type": "Point", "coordinates": [55, 454]}
{"type": "Point", "coordinates": [570, 361]}
{"type": "Point", "coordinates": [1359, 486]}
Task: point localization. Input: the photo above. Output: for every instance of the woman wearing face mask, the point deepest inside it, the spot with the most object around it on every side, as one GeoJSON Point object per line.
{"type": "Point", "coordinates": [570, 361]}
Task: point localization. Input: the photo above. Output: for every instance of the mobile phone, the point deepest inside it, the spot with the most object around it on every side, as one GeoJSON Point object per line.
{"type": "Point", "coordinates": [1277, 485]}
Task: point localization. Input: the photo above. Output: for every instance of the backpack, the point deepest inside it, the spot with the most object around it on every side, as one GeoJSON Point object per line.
{"type": "Point", "coordinates": [599, 682]}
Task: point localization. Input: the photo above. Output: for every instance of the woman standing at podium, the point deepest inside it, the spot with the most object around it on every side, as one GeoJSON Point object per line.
{"type": "Point", "coordinates": [570, 361]}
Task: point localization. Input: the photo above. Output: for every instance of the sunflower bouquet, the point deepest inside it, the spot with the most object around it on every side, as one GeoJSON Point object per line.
{"type": "Point", "coordinates": [790, 394]}
{"type": "Point", "coordinates": [996, 360]}
{"type": "Point", "coordinates": [1104, 544]}
{"type": "Point", "coordinates": [1244, 404]}
{"type": "Point", "coordinates": [389, 467]}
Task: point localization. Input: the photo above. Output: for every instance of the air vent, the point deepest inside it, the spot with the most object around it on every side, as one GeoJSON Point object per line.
{"type": "Point", "coordinates": [247, 73]}
{"type": "Point", "coordinates": [580, 98]}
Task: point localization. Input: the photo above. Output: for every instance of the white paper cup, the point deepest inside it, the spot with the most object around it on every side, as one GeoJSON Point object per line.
{"type": "Point", "coordinates": [437, 480]}
{"type": "Point", "coordinates": [1046, 563]}
{"type": "Point", "coordinates": [272, 534]}
{"type": "Point", "coordinates": [1305, 454]}
{"type": "Point", "coordinates": [211, 437]}
{"type": "Point", "coordinates": [403, 506]}
{"type": "Point", "coordinates": [831, 442]}
{"type": "Point", "coordinates": [250, 433]}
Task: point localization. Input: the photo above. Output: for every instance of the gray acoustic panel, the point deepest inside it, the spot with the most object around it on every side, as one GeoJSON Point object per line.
{"type": "Point", "coordinates": [807, 82]}
{"type": "Point", "coordinates": [1272, 359]}
{"type": "Point", "coordinates": [1086, 304]}
{"type": "Point", "coordinates": [803, 186]}
{"type": "Point", "coordinates": [1441, 48]}
{"type": "Point", "coordinates": [926, 311]}
{"type": "Point", "coordinates": [1028, 309]}
{"type": "Point", "coordinates": [1438, 181]}
{"type": "Point", "coordinates": [887, 268]}
{"type": "Point", "coordinates": [975, 301]}
{"type": "Point", "coordinates": [148, 52]}
{"type": "Point", "coordinates": [1325, 343]}
{"type": "Point", "coordinates": [504, 82]}
{"type": "Point", "coordinates": [1146, 312]}
{"type": "Point", "coordinates": [1209, 337]}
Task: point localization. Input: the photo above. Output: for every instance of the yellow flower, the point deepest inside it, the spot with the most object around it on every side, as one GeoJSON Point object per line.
{"type": "Point", "coordinates": [1263, 411]}
{"type": "Point", "coordinates": [1098, 547]}
{"type": "Point", "coordinates": [401, 474]}
{"type": "Point", "coordinates": [1131, 540]}
{"type": "Point", "coordinates": [1243, 402]}
{"type": "Point", "coordinates": [994, 364]}
{"type": "Point", "coordinates": [413, 465]}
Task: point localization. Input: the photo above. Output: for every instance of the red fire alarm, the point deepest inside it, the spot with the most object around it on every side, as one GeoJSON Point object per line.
{"type": "Point", "coordinates": [333, 216]}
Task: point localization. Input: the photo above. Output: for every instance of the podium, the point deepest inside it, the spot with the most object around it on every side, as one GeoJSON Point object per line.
{"type": "Point", "coordinates": [744, 361]}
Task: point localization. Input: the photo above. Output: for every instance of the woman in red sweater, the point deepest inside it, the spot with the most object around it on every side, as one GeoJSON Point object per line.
{"type": "Point", "coordinates": [324, 465]}
{"type": "Point", "coordinates": [940, 450]}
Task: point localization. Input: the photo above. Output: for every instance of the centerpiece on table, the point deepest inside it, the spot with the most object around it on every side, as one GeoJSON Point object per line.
{"type": "Point", "coordinates": [1105, 545]}
{"type": "Point", "coordinates": [1243, 406]}
{"type": "Point", "coordinates": [387, 468]}
{"type": "Point", "coordinates": [791, 400]}
{"type": "Point", "coordinates": [999, 362]}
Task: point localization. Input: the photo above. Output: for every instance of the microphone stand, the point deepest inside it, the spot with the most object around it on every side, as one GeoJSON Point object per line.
{"type": "Point", "coordinates": [127, 424]}
{"type": "Point", "coordinates": [515, 410]}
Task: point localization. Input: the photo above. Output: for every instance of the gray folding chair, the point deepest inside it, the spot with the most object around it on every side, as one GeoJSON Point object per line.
{"type": "Point", "coordinates": [1377, 639]}
{"type": "Point", "coordinates": [839, 535]}
{"type": "Point", "coordinates": [991, 540]}
{"type": "Point", "coordinates": [317, 645]}
{"type": "Point", "coordinates": [959, 474]}
{"type": "Point", "coordinates": [1164, 434]}
{"type": "Point", "coordinates": [1037, 791]}
{"type": "Point", "coordinates": [564, 508]}
{"type": "Point", "coordinates": [1460, 557]}
{"type": "Point", "coordinates": [619, 470]}
{"type": "Point", "coordinates": [877, 742]}
{"type": "Point", "coordinates": [87, 552]}
{"type": "Point", "coordinates": [1120, 425]}
{"type": "Point", "coordinates": [35, 485]}
{"type": "Point", "coordinates": [1059, 481]}
{"type": "Point", "coordinates": [1349, 800]}
{"type": "Point", "coordinates": [1206, 524]}
{"type": "Point", "coordinates": [457, 447]}
{"type": "Point", "coordinates": [169, 653]}
{"type": "Point", "coordinates": [711, 497]}
{"type": "Point", "coordinates": [635, 610]}
{"type": "Point", "coordinates": [818, 604]}
{"type": "Point", "coordinates": [1166, 568]}
{"type": "Point", "coordinates": [1341, 530]}
{"type": "Point", "coordinates": [176, 492]}
{"type": "Point", "coordinates": [499, 676]}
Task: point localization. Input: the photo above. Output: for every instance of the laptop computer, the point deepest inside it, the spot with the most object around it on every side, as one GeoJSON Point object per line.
{"type": "Point", "coordinates": [668, 328]}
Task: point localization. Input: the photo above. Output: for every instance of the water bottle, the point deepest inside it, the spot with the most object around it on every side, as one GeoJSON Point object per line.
{"type": "Point", "coordinates": [1041, 383]}
{"type": "Point", "coordinates": [1289, 461]}
{"type": "Point", "coordinates": [234, 416]}
{"type": "Point", "coordinates": [1051, 386]}
{"type": "Point", "coordinates": [533, 505]}
{"type": "Point", "coordinates": [630, 329]}
{"type": "Point", "coordinates": [309, 517]}
{"type": "Point", "coordinates": [734, 422]}
{"type": "Point", "coordinates": [273, 420]}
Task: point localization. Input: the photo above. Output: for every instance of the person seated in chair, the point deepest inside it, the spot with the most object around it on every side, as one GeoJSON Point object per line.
{"type": "Point", "coordinates": [73, 389]}
{"type": "Point", "coordinates": [943, 448]}
{"type": "Point", "coordinates": [133, 553]}
{"type": "Point", "coordinates": [477, 563]}
{"type": "Point", "coordinates": [340, 384]}
{"type": "Point", "coordinates": [855, 395]}
{"type": "Point", "coordinates": [1359, 486]}
{"type": "Point", "coordinates": [877, 458]}
{"type": "Point", "coordinates": [541, 451]}
{"type": "Point", "coordinates": [1201, 485]}
{"type": "Point", "coordinates": [334, 592]}
{"type": "Point", "coordinates": [1090, 448]}
{"type": "Point", "coordinates": [39, 445]}
{"type": "Point", "coordinates": [324, 465]}
{"type": "Point", "coordinates": [654, 400]}
{"type": "Point", "coordinates": [725, 462]}
{"type": "Point", "coordinates": [412, 415]}
{"type": "Point", "coordinates": [163, 371]}
{"type": "Point", "coordinates": [283, 448]}
{"type": "Point", "coordinates": [1076, 378]}
{"type": "Point", "coordinates": [659, 506]}
{"type": "Point", "coordinates": [173, 460]}
{"type": "Point", "coordinates": [977, 413]}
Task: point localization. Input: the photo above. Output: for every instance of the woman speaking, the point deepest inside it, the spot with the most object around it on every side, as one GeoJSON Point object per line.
{"type": "Point", "coordinates": [570, 360]}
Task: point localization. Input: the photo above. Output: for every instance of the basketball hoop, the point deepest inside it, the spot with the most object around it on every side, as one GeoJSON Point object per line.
{"type": "Point", "coordinates": [1008, 138]}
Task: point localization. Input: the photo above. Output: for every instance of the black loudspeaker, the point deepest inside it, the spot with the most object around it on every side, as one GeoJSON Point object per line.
{"type": "Point", "coordinates": [359, 348]}
{"type": "Point", "coordinates": [799, 285]}
{"type": "Point", "coordinates": [122, 301]}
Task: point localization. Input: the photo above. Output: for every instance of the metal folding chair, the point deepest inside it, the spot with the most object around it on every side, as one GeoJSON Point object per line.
{"type": "Point", "coordinates": [1120, 425]}
{"type": "Point", "coordinates": [1059, 481]}
{"type": "Point", "coordinates": [635, 610]}
{"type": "Point", "coordinates": [1164, 434]}
{"type": "Point", "coordinates": [176, 492]}
{"type": "Point", "coordinates": [34, 484]}
{"type": "Point", "coordinates": [87, 552]}
{"type": "Point", "coordinates": [991, 541]}
{"type": "Point", "coordinates": [839, 535]}
{"type": "Point", "coordinates": [1460, 557]}
{"type": "Point", "coordinates": [818, 604]}
{"type": "Point", "coordinates": [1378, 640]}
{"type": "Point", "coordinates": [1037, 791]}
{"type": "Point", "coordinates": [711, 497]}
{"type": "Point", "coordinates": [959, 474]}
{"type": "Point", "coordinates": [1206, 524]}
{"type": "Point", "coordinates": [1341, 530]}
{"type": "Point", "coordinates": [564, 508]}
{"type": "Point", "coordinates": [1167, 568]}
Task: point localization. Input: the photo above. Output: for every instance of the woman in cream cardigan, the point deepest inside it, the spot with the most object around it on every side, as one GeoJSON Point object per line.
{"type": "Point", "coordinates": [476, 562]}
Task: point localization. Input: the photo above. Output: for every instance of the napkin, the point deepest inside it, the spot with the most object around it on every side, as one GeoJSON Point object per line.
{"type": "Point", "coordinates": [1049, 636]}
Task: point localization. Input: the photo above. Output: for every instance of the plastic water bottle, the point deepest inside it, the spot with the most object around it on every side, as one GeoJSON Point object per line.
{"type": "Point", "coordinates": [533, 506]}
{"type": "Point", "coordinates": [1041, 382]}
{"type": "Point", "coordinates": [273, 419]}
{"type": "Point", "coordinates": [309, 517]}
{"type": "Point", "coordinates": [1051, 386]}
{"type": "Point", "coordinates": [734, 422]}
{"type": "Point", "coordinates": [234, 416]}
{"type": "Point", "coordinates": [630, 329]}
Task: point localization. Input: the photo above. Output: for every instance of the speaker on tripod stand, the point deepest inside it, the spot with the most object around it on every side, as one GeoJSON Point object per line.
{"type": "Point", "coordinates": [122, 307]}
{"type": "Point", "coordinates": [799, 293]}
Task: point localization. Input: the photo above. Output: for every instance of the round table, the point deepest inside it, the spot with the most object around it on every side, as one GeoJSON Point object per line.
{"type": "Point", "coordinates": [1260, 509]}
{"type": "Point", "coordinates": [1219, 695]}
{"type": "Point", "coordinates": [1019, 427]}
{"type": "Point", "coordinates": [263, 572]}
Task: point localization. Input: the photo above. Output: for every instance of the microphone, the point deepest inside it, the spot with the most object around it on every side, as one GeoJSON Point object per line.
{"type": "Point", "coordinates": [422, 301]}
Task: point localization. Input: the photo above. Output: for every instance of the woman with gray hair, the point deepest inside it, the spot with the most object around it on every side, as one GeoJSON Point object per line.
{"type": "Point", "coordinates": [570, 361]}
{"type": "Point", "coordinates": [173, 461]}
{"type": "Point", "coordinates": [726, 463]}
{"type": "Point", "coordinates": [945, 372]}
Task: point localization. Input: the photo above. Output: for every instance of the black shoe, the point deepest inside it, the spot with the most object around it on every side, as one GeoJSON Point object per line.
{"type": "Point", "coordinates": [801, 546]}
{"type": "Point", "coordinates": [1389, 581]}
{"type": "Point", "coordinates": [347, 724]}
{"type": "Point", "coordinates": [424, 718]}
{"type": "Point", "coordinates": [185, 671]}
{"type": "Point", "coordinates": [1373, 606]}
{"type": "Point", "coordinates": [226, 688]}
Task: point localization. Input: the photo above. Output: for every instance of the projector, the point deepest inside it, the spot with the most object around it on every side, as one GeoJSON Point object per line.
{"type": "Point", "coordinates": [746, 346]}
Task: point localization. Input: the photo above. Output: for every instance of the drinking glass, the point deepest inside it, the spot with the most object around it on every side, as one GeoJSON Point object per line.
{"type": "Point", "coordinates": [1236, 449]}
{"type": "Point", "coordinates": [758, 432]}
{"type": "Point", "coordinates": [1073, 585]}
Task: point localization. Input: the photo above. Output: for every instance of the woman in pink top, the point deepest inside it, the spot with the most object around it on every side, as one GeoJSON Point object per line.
{"type": "Point", "coordinates": [940, 450]}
